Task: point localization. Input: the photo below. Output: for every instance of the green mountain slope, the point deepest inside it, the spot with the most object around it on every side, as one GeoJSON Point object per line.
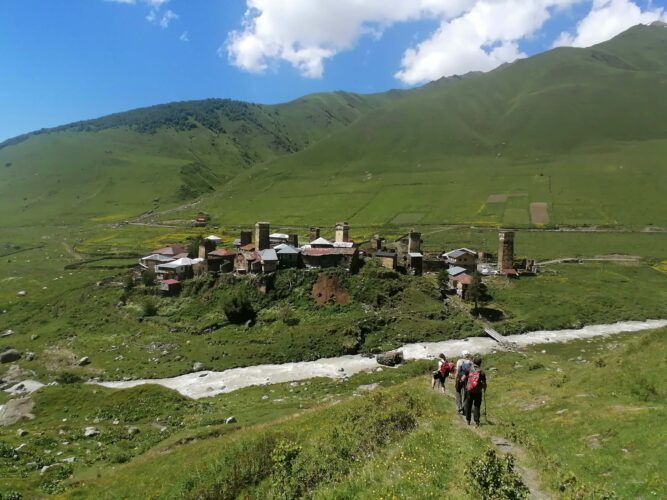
{"type": "Point", "coordinates": [580, 130]}
{"type": "Point", "coordinates": [571, 136]}
{"type": "Point", "coordinates": [116, 166]}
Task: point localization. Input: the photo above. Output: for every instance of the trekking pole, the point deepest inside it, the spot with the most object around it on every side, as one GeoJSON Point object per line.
{"type": "Point", "coordinates": [484, 398]}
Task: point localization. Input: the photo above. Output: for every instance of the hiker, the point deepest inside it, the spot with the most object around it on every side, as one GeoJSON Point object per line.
{"type": "Point", "coordinates": [443, 371]}
{"type": "Point", "coordinates": [462, 367]}
{"type": "Point", "coordinates": [475, 382]}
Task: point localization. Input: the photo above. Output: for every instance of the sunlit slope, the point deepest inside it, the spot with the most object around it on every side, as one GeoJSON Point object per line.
{"type": "Point", "coordinates": [580, 130]}
{"type": "Point", "coordinates": [117, 166]}
{"type": "Point", "coordinates": [568, 137]}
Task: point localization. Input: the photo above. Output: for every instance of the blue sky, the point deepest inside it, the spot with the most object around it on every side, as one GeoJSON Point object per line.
{"type": "Point", "coordinates": [67, 60]}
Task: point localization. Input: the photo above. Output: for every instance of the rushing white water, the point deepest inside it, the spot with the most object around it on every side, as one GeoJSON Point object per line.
{"type": "Point", "coordinates": [209, 383]}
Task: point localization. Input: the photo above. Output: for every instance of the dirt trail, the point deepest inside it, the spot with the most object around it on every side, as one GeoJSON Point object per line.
{"type": "Point", "coordinates": [70, 250]}
{"type": "Point", "coordinates": [529, 476]}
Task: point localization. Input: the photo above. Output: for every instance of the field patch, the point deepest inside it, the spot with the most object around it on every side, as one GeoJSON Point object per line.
{"type": "Point", "coordinates": [502, 198]}
{"type": "Point", "coordinates": [407, 218]}
{"type": "Point", "coordinates": [515, 217]}
{"type": "Point", "coordinates": [539, 213]}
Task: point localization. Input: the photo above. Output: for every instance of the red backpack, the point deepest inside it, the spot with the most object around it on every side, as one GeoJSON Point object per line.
{"type": "Point", "coordinates": [446, 368]}
{"type": "Point", "coordinates": [473, 381]}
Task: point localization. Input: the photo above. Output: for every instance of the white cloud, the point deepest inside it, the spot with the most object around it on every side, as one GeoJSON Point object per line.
{"type": "Point", "coordinates": [155, 14]}
{"type": "Point", "coordinates": [184, 37]}
{"type": "Point", "coordinates": [608, 18]}
{"type": "Point", "coordinates": [161, 20]}
{"type": "Point", "coordinates": [481, 39]}
{"type": "Point", "coordinates": [470, 35]}
{"type": "Point", "coordinates": [305, 33]}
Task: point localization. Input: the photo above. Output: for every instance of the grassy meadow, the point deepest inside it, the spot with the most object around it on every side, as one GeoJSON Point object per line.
{"type": "Point", "coordinates": [386, 443]}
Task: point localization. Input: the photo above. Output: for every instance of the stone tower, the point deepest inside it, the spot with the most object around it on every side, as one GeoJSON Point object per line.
{"type": "Point", "coordinates": [262, 241]}
{"type": "Point", "coordinates": [314, 233]}
{"type": "Point", "coordinates": [414, 242]}
{"type": "Point", "coordinates": [246, 238]}
{"type": "Point", "coordinates": [505, 250]}
{"type": "Point", "coordinates": [342, 232]}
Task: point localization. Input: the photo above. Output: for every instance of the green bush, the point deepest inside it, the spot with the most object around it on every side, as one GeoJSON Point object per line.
{"type": "Point", "coordinates": [238, 308]}
{"type": "Point", "coordinates": [148, 278]}
{"type": "Point", "coordinates": [68, 378]}
{"type": "Point", "coordinates": [149, 307]}
{"type": "Point", "coordinates": [6, 451]}
{"type": "Point", "coordinates": [10, 495]}
{"type": "Point", "coordinates": [494, 478]}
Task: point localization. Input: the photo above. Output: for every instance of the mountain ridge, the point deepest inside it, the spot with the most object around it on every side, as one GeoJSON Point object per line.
{"type": "Point", "coordinates": [604, 100]}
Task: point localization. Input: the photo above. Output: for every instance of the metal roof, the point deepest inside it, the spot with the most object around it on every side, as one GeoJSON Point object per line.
{"type": "Point", "coordinates": [321, 241]}
{"type": "Point", "coordinates": [343, 244]}
{"type": "Point", "coordinates": [279, 236]}
{"type": "Point", "coordinates": [415, 254]}
{"type": "Point", "coordinates": [465, 279]}
{"type": "Point", "coordinates": [171, 250]}
{"type": "Point", "coordinates": [286, 250]}
{"type": "Point", "coordinates": [268, 255]}
{"type": "Point", "coordinates": [383, 253]}
{"type": "Point", "coordinates": [319, 252]}
{"type": "Point", "coordinates": [182, 262]}
{"type": "Point", "coordinates": [458, 252]}
{"type": "Point", "coordinates": [222, 252]}
{"type": "Point", "coordinates": [456, 270]}
{"type": "Point", "coordinates": [212, 237]}
{"type": "Point", "coordinates": [158, 257]}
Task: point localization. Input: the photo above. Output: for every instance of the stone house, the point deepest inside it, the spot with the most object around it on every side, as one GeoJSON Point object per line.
{"type": "Point", "coordinates": [462, 257]}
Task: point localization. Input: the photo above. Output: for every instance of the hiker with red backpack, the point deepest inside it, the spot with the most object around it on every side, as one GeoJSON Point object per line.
{"type": "Point", "coordinates": [462, 366]}
{"type": "Point", "coordinates": [443, 371]}
{"type": "Point", "coordinates": [475, 385]}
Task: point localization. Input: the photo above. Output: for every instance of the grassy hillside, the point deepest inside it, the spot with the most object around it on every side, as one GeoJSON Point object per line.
{"type": "Point", "coordinates": [124, 164]}
{"type": "Point", "coordinates": [578, 132]}
{"type": "Point", "coordinates": [381, 434]}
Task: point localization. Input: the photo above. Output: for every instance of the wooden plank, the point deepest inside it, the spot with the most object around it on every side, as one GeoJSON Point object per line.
{"type": "Point", "coordinates": [494, 335]}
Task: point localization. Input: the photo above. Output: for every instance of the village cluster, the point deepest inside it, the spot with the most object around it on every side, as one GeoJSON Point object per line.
{"type": "Point", "coordinates": [269, 252]}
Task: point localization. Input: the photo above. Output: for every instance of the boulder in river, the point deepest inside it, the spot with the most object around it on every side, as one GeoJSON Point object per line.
{"type": "Point", "coordinates": [391, 358]}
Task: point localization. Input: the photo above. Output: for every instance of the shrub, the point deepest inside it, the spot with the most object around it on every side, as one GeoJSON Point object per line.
{"type": "Point", "coordinates": [494, 478]}
{"type": "Point", "coordinates": [535, 366]}
{"type": "Point", "coordinates": [643, 389]}
{"type": "Point", "coordinates": [148, 278]}
{"type": "Point", "coordinates": [129, 283]}
{"type": "Point", "coordinates": [6, 451]}
{"type": "Point", "coordinates": [149, 307]}
{"type": "Point", "coordinates": [10, 495]}
{"type": "Point", "coordinates": [68, 378]}
{"type": "Point", "coordinates": [238, 308]}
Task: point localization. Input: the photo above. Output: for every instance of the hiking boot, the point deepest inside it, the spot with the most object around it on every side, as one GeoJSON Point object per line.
{"type": "Point", "coordinates": [468, 422]}
{"type": "Point", "coordinates": [476, 424]}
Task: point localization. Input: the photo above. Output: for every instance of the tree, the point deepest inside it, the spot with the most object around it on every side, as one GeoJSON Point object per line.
{"type": "Point", "coordinates": [475, 290]}
{"type": "Point", "coordinates": [238, 308]}
{"type": "Point", "coordinates": [149, 307]}
{"type": "Point", "coordinates": [443, 281]}
{"type": "Point", "coordinates": [129, 283]}
{"type": "Point", "coordinates": [148, 277]}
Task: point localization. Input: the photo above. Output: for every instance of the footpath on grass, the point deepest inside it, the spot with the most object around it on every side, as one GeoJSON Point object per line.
{"type": "Point", "coordinates": [529, 476]}
{"type": "Point", "coordinates": [209, 383]}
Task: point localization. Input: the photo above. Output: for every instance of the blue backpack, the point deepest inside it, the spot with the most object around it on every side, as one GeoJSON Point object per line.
{"type": "Point", "coordinates": [463, 371]}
